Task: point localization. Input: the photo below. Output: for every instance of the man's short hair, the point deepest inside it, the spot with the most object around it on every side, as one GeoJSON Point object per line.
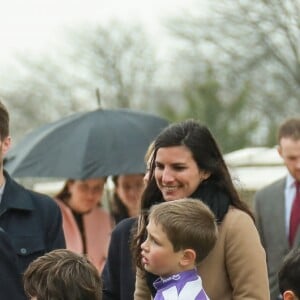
{"type": "Point", "coordinates": [290, 128]}
{"type": "Point", "coordinates": [62, 275]}
{"type": "Point", "coordinates": [4, 121]}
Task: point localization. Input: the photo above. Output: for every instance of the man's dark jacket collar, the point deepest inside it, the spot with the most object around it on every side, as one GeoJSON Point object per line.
{"type": "Point", "coordinates": [15, 196]}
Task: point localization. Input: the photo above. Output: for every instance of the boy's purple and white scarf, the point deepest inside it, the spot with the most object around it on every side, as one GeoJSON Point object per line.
{"type": "Point", "coordinates": [182, 286]}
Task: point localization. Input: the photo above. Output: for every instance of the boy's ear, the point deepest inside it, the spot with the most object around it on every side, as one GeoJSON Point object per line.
{"type": "Point", "coordinates": [289, 295]}
{"type": "Point", "coordinates": [6, 145]}
{"type": "Point", "coordinates": [188, 257]}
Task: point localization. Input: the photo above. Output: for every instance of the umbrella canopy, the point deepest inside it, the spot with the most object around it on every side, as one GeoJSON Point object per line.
{"type": "Point", "coordinates": [98, 143]}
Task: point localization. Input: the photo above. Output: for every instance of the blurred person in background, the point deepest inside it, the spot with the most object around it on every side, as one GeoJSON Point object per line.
{"type": "Point", "coordinates": [277, 206]}
{"type": "Point", "coordinates": [126, 201]}
{"type": "Point", "coordinates": [87, 226]}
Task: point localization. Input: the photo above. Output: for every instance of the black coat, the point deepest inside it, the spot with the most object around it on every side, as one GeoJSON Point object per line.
{"type": "Point", "coordinates": [32, 222]}
{"type": "Point", "coordinates": [10, 282]}
{"type": "Point", "coordinates": [119, 274]}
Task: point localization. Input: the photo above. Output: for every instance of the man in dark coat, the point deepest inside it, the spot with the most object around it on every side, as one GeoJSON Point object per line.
{"type": "Point", "coordinates": [31, 221]}
{"type": "Point", "coordinates": [10, 285]}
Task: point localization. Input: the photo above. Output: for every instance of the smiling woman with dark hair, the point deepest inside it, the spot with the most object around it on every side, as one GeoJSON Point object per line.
{"type": "Point", "coordinates": [187, 162]}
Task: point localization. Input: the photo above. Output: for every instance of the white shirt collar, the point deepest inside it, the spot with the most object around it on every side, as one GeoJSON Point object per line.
{"type": "Point", "coordinates": [290, 181]}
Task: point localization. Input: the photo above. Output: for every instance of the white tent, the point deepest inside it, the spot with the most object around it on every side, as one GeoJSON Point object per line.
{"type": "Point", "coordinates": [254, 168]}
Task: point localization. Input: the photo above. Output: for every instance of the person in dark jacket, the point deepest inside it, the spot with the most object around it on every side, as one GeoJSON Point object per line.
{"type": "Point", "coordinates": [31, 221]}
{"type": "Point", "coordinates": [10, 285]}
{"type": "Point", "coordinates": [119, 273]}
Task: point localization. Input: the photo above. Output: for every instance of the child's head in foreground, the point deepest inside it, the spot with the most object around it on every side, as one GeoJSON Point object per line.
{"type": "Point", "coordinates": [180, 234]}
{"type": "Point", "coordinates": [62, 275]}
{"type": "Point", "coordinates": [289, 276]}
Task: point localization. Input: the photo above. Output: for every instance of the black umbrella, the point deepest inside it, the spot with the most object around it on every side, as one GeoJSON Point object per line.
{"type": "Point", "coordinates": [86, 145]}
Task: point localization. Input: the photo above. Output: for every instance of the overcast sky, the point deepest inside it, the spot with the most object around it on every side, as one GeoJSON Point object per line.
{"type": "Point", "coordinates": [32, 25]}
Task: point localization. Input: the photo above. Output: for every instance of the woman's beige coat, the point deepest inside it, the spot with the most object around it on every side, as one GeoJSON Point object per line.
{"type": "Point", "coordinates": [236, 267]}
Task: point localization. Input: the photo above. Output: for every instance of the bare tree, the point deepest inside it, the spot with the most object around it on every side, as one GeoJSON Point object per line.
{"type": "Point", "coordinates": [228, 120]}
{"type": "Point", "coordinates": [254, 42]}
{"type": "Point", "coordinates": [121, 61]}
{"type": "Point", "coordinates": [117, 59]}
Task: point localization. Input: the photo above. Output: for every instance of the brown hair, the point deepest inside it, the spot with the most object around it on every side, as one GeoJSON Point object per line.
{"type": "Point", "coordinates": [149, 154]}
{"type": "Point", "coordinates": [188, 224]}
{"type": "Point", "coordinates": [64, 194]}
{"type": "Point", "coordinates": [4, 121]}
{"type": "Point", "coordinates": [62, 275]}
{"type": "Point", "coordinates": [290, 128]}
{"type": "Point", "coordinates": [117, 206]}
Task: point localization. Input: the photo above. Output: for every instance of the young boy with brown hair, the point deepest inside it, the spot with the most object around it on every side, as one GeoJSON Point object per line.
{"type": "Point", "coordinates": [180, 234]}
{"type": "Point", "coordinates": [62, 275]}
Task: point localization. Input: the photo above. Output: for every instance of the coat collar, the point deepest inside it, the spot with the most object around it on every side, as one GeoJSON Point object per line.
{"type": "Point", "coordinates": [15, 196]}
